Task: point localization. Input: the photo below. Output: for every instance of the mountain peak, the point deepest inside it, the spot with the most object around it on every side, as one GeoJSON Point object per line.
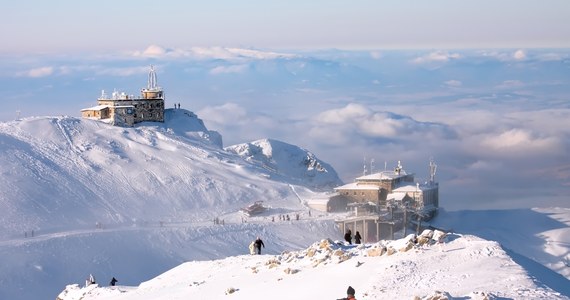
{"type": "Point", "coordinates": [287, 161]}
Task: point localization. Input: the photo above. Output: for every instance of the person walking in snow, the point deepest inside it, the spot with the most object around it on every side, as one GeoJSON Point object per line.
{"type": "Point", "coordinates": [348, 236]}
{"type": "Point", "coordinates": [357, 238]}
{"type": "Point", "coordinates": [258, 243]}
{"type": "Point", "coordinates": [113, 281]}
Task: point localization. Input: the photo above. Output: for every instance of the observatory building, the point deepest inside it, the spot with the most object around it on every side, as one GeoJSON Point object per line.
{"type": "Point", "coordinates": [126, 110]}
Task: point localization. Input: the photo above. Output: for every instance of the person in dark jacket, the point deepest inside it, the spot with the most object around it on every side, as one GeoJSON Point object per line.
{"type": "Point", "coordinates": [113, 281]}
{"type": "Point", "coordinates": [258, 243]}
{"type": "Point", "coordinates": [349, 294]}
{"type": "Point", "coordinates": [348, 236]}
{"type": "Point", "coordinates": [357, 238]}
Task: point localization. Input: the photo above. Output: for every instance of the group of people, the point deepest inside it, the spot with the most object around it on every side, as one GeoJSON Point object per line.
{"type": "Point", "coordinates": [348, 237]}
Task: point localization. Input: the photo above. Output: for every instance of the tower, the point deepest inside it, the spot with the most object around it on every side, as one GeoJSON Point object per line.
{"type": "Point", "coordinates": [152, 91]}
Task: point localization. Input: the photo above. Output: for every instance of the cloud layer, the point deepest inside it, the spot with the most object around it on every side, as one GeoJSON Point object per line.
{"type": "Point", "coordinates": [494, 120]}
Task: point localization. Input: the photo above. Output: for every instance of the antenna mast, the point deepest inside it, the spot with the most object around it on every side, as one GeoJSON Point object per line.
{"type": "Point", "coordinates": [432, 170]}
{"type": "Point", "coordinates": [152, 82]}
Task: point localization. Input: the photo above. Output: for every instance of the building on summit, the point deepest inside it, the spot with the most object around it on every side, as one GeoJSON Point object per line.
{"type": "Point", "coordinates": [394, 188]}
{"type": "Point", "coordinates": [381, 203]}
{"type": "Point", "coordinates": [126, 110]}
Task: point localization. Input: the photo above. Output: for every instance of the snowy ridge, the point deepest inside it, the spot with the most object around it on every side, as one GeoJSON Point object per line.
{"type": "Point", "coordinates": [288, 162]}
{"type": "Point", "coordinates": [460, 267]}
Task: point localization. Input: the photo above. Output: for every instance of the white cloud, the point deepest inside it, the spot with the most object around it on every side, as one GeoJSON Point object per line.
{"type": "Point", "coordinates": [228, 113]}
{"type": "Point", "coordinates": [359, 122]}
{"type": "Point", "coordinates": [436, 57]}
{"type": "Point", "coordinates": [552, 57]}
{"type": "Point", "coordinates": [510, 84]}
{"type": "Point", "coordinates": [347, 114]}
{"type": "Point", "coordinates": [37, 72]}
{"type": "Point", "coordinates": [453, 83]}
{"type": "Point", "coordinates": [229, 69]}
{"type": "Point", "coordinates": [152, 51]}
{"type": "Point", "coordinates": [519, 55]}
{"type": "Point", "coordinates": [127, 71]}
{"type": "Point", "coordinates": [521, 141]}
{"type": "Point", "coordinates": [376, 55]}
{"type": "Point", "coordinates": [156, 51]}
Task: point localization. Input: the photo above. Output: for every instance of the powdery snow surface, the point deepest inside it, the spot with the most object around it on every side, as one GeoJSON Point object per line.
{"type": "Point", "coordinates": [462, 267]}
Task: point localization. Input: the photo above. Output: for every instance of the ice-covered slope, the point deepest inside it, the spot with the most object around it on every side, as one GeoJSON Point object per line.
{"type": "Point", "coordinates": [288, 162]}
{"type": "Point", "coordinates": [80, 196]}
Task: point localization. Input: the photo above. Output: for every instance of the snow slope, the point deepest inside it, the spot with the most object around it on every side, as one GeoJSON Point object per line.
{"type": "Point", "coordinates": [463, 267]}
{"type": "Point", "coordinates": [80, 196]}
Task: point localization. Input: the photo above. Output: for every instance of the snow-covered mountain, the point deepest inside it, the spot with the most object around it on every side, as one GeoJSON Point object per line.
{"type": "Point", "coordinates": [82, 196]}
{"type": "Point", "coordinates": [290, 162]}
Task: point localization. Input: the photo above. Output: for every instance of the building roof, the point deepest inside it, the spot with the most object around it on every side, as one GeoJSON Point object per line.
{"type": "Point", "coordinates": [413, 188]}
{"type": "Point", "coordinates": [358, 186]}
{"type": "Point", "coordinates": [98, 107]}
{"type": "Point", "coordinates": [383, 175]}
{"type": "Point", "coordinates": [396, 196]}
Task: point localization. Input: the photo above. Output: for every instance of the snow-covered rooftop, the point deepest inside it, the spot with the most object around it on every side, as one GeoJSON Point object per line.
{"type": "Point", "coordinates": [358, 186]}
{"type": "Point", "coordinates": [98, 107]}
{"type": "Point", "coordinates": [383, 175]}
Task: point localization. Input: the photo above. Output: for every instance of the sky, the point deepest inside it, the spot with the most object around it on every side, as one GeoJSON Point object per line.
{"type": "Point", "coordinates": [66, 26]}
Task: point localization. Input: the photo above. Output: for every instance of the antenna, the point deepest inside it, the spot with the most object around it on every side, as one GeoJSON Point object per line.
{"type": "Point", "coordinates": [432, 170]}
{"type": "Point", "coordinates": [364, 166]}
{"type": "Point", "coordinates": [385, 165]}
{"type": "Point", "coordinates": [372, 166]}
{"type": "Point", "coordinates": [152, 82]}
{"type": "Point", "coordinates": [18, 115]}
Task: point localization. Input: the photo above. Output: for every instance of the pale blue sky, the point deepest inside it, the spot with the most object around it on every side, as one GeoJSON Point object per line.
{"type": "Point", "coordinates": [69, 25]}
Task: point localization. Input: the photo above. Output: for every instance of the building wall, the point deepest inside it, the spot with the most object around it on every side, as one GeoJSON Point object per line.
{"type": "Point", "coordinates": [144, 109]}
{"type": "Point", "coordinates": [388, 184]}
{"type": "Point", "coordinates": [96, 114]}
{"type": "Point", "coordinates": [123, 116]}
{"type": "Point", "coordinates": [149, 110]}
{"type": "Point", "coordinates": [361, 195]}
